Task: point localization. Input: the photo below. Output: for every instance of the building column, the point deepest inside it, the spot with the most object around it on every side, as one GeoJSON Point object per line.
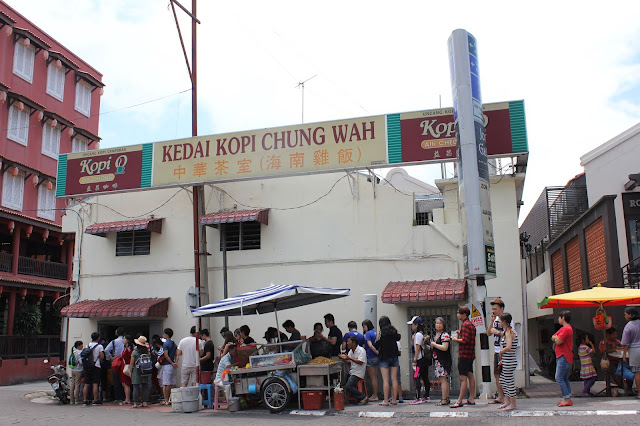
{"type": "Point", "coordinates": [12, 312]}
{"type": "Point", "coordinates": [15, 249]}
{"type": "Point", "coordinates": [69, 245]}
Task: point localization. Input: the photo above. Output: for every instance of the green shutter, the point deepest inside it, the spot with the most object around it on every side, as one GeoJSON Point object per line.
{"type": "Point", "coordinates": [394, 138]}
{"type": "Point", "coordinates": [147, 165]}
{"type": "Point", "coordinates": [61, 180]}
{"type": "Point", "coordinates": [518, 127]}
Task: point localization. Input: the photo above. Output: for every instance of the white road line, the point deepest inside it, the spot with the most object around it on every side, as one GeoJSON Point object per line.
{"type": "Point", "coordinates": [378, 414]}
{"type": "Point", "coordinates": [442, 414]}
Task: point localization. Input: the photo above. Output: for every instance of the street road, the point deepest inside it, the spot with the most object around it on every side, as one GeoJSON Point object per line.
{"type": "Point", "coordinates": [16, 409]}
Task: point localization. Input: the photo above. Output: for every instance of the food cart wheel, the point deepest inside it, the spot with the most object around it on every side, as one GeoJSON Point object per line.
{"type": "Point", "coordinates": [275, 394]}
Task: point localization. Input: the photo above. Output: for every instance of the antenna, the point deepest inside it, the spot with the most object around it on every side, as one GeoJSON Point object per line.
{"type": "Point", "coordinates": [301, 85]}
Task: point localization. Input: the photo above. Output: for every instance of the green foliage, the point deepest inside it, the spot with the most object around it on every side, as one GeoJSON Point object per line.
{"type": "Point", "coordinates": [51, 321]}
{"type": "Point", "coordinates": [28, 320]}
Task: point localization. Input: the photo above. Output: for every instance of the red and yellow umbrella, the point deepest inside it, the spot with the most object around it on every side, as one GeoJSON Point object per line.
{"type": "Point", "coordinates": [596, 296]}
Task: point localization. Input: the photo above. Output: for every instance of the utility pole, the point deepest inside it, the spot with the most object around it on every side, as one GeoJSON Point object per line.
{"type": "Point", "coordinates": [199, 232]}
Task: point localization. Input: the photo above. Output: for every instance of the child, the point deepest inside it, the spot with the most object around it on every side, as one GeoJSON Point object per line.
{"type": "Point", "coordinates": [76, 372]}
{"type": "Point", "coordinates": [587, 372]}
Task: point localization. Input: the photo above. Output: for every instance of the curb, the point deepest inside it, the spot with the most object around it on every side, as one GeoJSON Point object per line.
{"type": "Point", "coordinates": [465, 414]}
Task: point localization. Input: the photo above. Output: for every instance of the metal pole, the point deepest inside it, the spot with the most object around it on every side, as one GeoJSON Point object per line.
{"type": "Point", "coordinates": [525, 315]}
{"type": "Point", "coordinates": [223, 237]}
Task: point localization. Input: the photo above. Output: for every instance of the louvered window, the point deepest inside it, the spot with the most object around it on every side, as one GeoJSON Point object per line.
{"type": "Point", "coordinates": [46, 202]}
{"type": "Point", "coordinates": [133, 243]}
{"type": "Point", "coordinates": [574, 266]}
{"type": "Point", "coordinates": [79, 144]}
{"type": "Point", "coordinates": [242, 236]}
{"type": "Point", "coordinates": [12, 190]}
{"type": "Point", "coordinates": [23, 59]}
{"type": "Point", "coordinates": [558, 272]}
{"type": "Point", "coordinates": [83, 98]}
{"type": "Point", "coordinates": [596, 253]}
{"type": "Point", "coordinates": [18, 128]}
{"type": "Point", "coordinates": [55, 81]}
{"type": "Point", "coordinates": [50, 140]}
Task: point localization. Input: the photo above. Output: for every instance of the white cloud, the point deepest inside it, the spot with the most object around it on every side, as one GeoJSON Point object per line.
{"type": "Point", "coordinates": [572, 64]}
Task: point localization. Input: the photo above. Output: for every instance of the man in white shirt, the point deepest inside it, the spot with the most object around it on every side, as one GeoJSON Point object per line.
{"type": "Point", "coordinates": [190, 358]}
{"type": "Point", "coordinates": [92, 373]}
{"type": "Point", "coordinates": [357, 360]}
{"type": "Point", "coordinates": [226, 362]}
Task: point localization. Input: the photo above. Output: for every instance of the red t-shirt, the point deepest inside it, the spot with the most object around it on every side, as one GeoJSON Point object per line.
{"type": "Point", "coordinates": [566, 348]}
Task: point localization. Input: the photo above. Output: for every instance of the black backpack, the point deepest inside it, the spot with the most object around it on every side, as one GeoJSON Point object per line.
{"type": "Point", "coordinates": [88, 363]}
{"type": "Point", "coordinates": [145, 365]}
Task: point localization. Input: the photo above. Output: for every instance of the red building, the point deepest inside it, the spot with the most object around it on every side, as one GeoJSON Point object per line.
{"type": "Point", "coordinates": [49, 104]}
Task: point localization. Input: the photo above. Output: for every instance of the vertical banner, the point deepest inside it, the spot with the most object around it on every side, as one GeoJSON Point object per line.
{"type": "Point", "coordinates": [473, 169]}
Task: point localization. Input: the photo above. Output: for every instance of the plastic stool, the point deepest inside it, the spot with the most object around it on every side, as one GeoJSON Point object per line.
{"type": "Point", "coordinates": [207, 402]}
{"type": "Point", "coordinates": [216, 392]}
{"type": "Point", "coordinates": [362, 387]}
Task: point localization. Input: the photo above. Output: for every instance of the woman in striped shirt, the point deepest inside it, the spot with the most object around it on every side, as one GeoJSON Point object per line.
{"type": "Point", "coordinates": [508, 362]}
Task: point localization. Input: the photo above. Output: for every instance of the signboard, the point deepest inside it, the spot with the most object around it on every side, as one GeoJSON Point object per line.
{"type": "Point", "coordinates": [358, 143]}
{"type": "Point", "coordinates": [431, 135]}
{"type": "Point", "coordinates": [100, 171]}
{"type": "Point", "coordinates": [272, 152]}
{"type": "Point", "coordinates": [473, 168]}
{"type": "Point", "coordinates": [476, 317]}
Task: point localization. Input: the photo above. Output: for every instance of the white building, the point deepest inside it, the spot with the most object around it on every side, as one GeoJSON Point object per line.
{"type": "Point", "coordinates": [333, 230]}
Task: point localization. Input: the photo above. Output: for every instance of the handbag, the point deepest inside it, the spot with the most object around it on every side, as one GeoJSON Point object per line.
{"type": "Point", "coordinates": [127, 370]}
{"type": "Point", "coordinates": [499, 368]}
{"type": "Point", "coordinates": [117, 364]}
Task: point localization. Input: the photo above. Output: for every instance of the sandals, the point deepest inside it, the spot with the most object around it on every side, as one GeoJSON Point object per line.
{"type": "Point", "coordinates": [125, 403]}
{"type": "Point", "coordinates": [384, 404]}
{"type": "Point", "coordinates": [467, 402]}
{"type": "Point", "coordinates": [495, 401]}
{"type": "Point", "coordinates": [456, 405]}
{"type": "Point", "coordinates": [444, 402]}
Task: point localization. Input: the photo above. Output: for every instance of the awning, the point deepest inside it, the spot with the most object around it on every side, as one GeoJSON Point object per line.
{"type": "Point", "coordinates": [424, 291]}
{"type": "Point", "coordinates": [214, 219]}
{"type": "Point", "coordinates": [102, 229]}
{"type": "Point", "coordinates": [33, 282]}
{"type": "Point", "coordinates": [129, 308]}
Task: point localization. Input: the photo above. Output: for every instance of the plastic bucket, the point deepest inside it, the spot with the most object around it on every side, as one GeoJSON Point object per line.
{"type": "Point", "coordinates": [233, 404]}
{"type": "Point", "coordinates": [190, 399]}
{"type": "Point", "coordinates": [176, 400]}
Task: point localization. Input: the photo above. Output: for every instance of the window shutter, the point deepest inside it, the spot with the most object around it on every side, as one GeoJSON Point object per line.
{"type": "Point", "coordinates": [46, 138]}
{"type": "Point", "coordinates": [55, 81]}
{"type": "Point", "coordinates": [14, 123]}
{"type": "Point", "coordinates": [12, 190]}
{"type": "Point", "coordinates": [23, 60]}
{"type": "Point", "coordinates": [79, 144]}
{"type": "Point", "coordinates": [23, 126]}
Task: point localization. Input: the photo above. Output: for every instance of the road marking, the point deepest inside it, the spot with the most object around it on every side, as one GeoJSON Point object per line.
{"type": "Point", "coordinates": [449, 414]}
{"type": "Point", "coordinates": [308, 412]}
{"type": "Point", "coordinates": [531, 413]}
{"type": "Point", "coordinates": [378, 414]}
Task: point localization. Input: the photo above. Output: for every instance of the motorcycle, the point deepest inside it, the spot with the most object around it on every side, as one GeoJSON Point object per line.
{"type": "Point", "coordinates": [59, 381]}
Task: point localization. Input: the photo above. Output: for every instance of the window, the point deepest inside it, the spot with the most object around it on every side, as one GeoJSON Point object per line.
{"type": "Point", "coordinates": [133, 243]}
{"type": "Point", "coordinates": [424, 218]}
{"type": "Point", "coordinates": [83, 98]}
{"type": "Point", "coordinates": [46, 202]}
{"type": "Point", "coordinates": [79, 144]}
{"type": "Point", "coordinates": [18, 125]}
{"type": "Point", "coordinates": [55, 81]}
{"type": "Point", "coordinates": [241, 236]}
{"type": "Point", "coordinates": [50, 140]}
{"type": "Point", "coordinates": [23, 59]}
{"type": "Point", "coordinates": [12, 190]}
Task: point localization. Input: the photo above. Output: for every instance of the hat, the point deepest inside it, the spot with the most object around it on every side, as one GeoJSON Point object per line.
{"type": "Point", "coordinates": [415, 320]}
{"type": "Point", "coordinates": [142, 341]}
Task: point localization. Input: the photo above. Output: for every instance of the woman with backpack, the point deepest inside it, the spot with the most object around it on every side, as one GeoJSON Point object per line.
{"type": "Point", "coordinates": [140, 376]}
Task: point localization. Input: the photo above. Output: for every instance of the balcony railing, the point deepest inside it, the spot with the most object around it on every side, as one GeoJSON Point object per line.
{"type": "Point", "coordinates": [12, 347]}
{"type": "Point", "coordinates": [42, 268]}
{"type": "Point", "coordinates": [5, 262]}
{"type": "Point", "coordinates": [631, 274]}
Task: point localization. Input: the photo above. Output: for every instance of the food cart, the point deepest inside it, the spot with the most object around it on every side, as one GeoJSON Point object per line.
{"type": "Point", "coordinates": [275, 370]}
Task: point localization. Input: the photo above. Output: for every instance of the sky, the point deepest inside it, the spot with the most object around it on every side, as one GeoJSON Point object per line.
{"type": "Point", "coordinates": [575, 64]}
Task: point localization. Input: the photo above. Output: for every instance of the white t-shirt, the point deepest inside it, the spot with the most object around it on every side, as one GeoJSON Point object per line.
{"type": "Point", "coordinates": [190, 357]}
{"type": "Point", "coordinates": [417, 340]}
{"type": "Point", "coordinates": [96, 353]}
{"type": "Point", "coordinates": [356, 369]}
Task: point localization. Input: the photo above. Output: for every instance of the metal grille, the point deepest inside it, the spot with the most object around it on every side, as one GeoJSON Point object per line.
{"type": "Point", "coordinates": [429, 315]}
{"type": "Point", "coordinates": [133, 243]}
{"type": "Point", "coordinates": [566, 205]}
{"type": "Point", "coordinates": [242, 236]}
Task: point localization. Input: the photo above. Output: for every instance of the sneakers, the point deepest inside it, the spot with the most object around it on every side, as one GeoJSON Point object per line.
{"type": "Point", "coordinates": [427, 399]}
{"type": "Point", "coordinates": [96, 403]}
{"type": "Point", "coordinates": [417, 401]}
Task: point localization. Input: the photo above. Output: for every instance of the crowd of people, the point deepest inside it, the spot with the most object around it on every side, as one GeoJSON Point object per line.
{"type": "Point", "coordinates": [142, 369]}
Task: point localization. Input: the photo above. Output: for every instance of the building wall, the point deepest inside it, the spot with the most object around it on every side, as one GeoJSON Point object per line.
{"type": "Point", "coordinates": [607, 169]}
{"type": "Point", "coordinates": [339, 241]}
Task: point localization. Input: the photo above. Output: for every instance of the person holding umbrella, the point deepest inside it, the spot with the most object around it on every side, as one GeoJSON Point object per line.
{"type": "Point", "coordinates": [563, 339]}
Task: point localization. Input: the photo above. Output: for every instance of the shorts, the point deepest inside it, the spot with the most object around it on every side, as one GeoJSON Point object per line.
{"type": "Point", "coordinates": [169, 374]}
{"type": "Point", "coordinates": [373, 362]}
{"type": "Point", "coordinates": [465, 366]}
{"type": "Point", "coordinates": [496, 360]}
{"type": "Point", "coordinates": [188, 375]}
{"type": "Point", "coordinates": [92, 376]}
{"type": "Point", "coordinates": [389, 362]}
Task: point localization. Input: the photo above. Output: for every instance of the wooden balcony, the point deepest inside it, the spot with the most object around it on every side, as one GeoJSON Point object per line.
{"type": "Point", "coordinates": [34, 267]}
